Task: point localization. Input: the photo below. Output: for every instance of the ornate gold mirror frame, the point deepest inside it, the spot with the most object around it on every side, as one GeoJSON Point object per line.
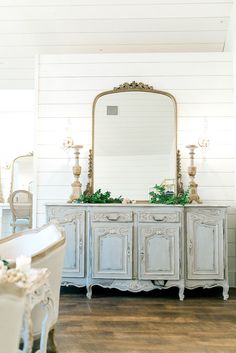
{"type": "Point", "coordinates": [128, 87]}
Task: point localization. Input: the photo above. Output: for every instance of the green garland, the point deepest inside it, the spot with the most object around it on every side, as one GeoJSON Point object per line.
{"type": "Point", "coordinates": [99, 197]}
{"type": "Point", "coordinates": [161, 196]}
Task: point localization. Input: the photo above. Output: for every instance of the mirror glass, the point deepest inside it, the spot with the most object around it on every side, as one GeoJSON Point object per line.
{"type": "Point", "coordinates": [22, 173]}
{"type": "Point", "coordinates": [134, 141]}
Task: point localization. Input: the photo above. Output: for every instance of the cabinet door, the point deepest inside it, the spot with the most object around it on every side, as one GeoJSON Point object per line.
{"type": "Point", "coordinates": [112, 250]}
{"type": "Point", "coordinates": [159, 254]}
{"type": "Point", "coordinates": [74, 225]}
{"type": "Point", "coordinates": [205, 247]}
{"type": "Point", "coordinates": [74, 253]}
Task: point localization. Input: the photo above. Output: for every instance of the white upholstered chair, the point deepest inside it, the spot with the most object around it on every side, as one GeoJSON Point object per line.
{"type": "Point", "coordinates": [12, 306]}
{"type": "Point", "coordinates": [46, 246]}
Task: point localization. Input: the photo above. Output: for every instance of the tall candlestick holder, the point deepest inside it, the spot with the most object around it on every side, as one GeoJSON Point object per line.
{"type": "Point", "coordinates": [76, 185]}
{"type": "Point", "coordinates": [89, 187]}
{"type": "Point", "coordinates": [192, 170]}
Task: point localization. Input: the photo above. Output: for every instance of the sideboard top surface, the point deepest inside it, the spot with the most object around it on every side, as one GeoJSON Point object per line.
{"type": "Point", "coordinates": [64, 204]}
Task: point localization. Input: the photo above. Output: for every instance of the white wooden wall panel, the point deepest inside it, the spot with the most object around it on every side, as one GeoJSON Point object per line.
{"type": "Point", "coordinates": [183, 96]}
{"type": "Point", "coordinates": [66, 39]}
{"type": "Point", "coordinates": [202, 85]}
{"type": "Point", "coordinates": [134, 68]}
{"type": "Point", "coordinates": [166, 82]}
{"type": "Point", "coordinates": [36, 3]}
{"type": "Point", "coordinates": [113, 25]}
{"type": "Point", "coordinates": [139, 58]}
{"type": "Point", "coordinates": [30, 51]}
{"type": "Point", "coordinates": [28, 28]}
{"type": "Point", "coordinates": [121, 11]}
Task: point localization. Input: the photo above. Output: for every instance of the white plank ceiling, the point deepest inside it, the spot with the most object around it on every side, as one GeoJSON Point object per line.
{"type": "Point", "coordinates": [31, 27]}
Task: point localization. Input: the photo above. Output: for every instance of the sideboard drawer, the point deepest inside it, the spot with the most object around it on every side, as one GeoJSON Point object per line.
{"type": "Point", "coordinates": [112, 217]}
{"type": "Point", "coordinates": [148, 217]}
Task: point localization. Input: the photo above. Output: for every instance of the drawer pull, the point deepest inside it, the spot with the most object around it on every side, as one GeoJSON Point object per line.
{"type": "Point", "coordinates": [112, 218]}
{"type": "Point", "coordinates": [159, 219]}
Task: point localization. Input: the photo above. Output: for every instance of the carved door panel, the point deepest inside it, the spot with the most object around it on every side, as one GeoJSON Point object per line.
{"type": "Point", "coordinates": [112, 250]}
{"type": "Point", "coordinates": [159, 254]}
{"type": "Point", "coordinates": [205, 247]}
{"type": "Point", "coordinates": [74, 225]}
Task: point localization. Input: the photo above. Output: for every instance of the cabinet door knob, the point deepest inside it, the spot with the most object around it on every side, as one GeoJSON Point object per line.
{"type": "Point", "coordinates": [190, 244]}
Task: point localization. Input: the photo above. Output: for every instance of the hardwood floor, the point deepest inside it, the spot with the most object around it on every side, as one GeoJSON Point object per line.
{"type": "Point", "coordinates": [154, 322]}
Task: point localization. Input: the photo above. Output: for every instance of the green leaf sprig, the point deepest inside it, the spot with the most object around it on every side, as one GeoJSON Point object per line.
{"type": "Point", "coordinates": [99, 197]}
{"type": "Point", "coordinates": [5, 263]}
{"type": "Point", "coordinates": [161, 196]}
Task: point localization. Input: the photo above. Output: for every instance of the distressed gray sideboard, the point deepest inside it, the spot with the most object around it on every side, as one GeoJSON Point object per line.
{"type": "Point", "coordinates": [141, 247]}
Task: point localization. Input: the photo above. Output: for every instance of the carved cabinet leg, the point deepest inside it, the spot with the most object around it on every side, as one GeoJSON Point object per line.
{"type": "Point", "coordinates": [181, 293]}
{"type": "Point", "coordinates": [226, 291]}
{"type": "Point", "coordinates": [89, 292]}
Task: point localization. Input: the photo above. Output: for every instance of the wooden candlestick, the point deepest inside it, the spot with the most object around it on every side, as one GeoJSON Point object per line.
{"type": "Point", "coordinates": [89, 187]}
{"type": "Point", "coordinates": [76, 185]}
{"type": "Point", "coordinates": [192, 170]}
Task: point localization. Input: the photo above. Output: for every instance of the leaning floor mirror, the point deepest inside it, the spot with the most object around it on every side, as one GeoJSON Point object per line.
{"type": "Point", "coordinates": [134, 140]}
{"type": "Point", "coordinates": [20, 198]}
{"type": "Point", "coordinates": [22, 173]}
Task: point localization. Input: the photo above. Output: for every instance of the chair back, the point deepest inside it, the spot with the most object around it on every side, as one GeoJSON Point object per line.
{"type": "Point", "coordinates": [21, 208]}
{"type": "Point", "coordinates": [12, 306]}
{"type": "Point", "coordinates": [21, 204]}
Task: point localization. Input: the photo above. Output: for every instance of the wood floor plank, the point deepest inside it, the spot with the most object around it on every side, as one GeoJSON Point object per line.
{"type": "Point", "coordinates": [146, 323]}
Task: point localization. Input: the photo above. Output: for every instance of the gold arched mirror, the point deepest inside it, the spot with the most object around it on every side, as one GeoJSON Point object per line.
{"type": "Point", "coordinates": [134, 140]}
{"type": "Point", "coordinates": [22, 173]}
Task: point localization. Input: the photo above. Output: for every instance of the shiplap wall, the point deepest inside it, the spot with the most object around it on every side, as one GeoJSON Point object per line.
{"type": "Point", "coordinates": [31, 27]}
{"type": "Point", "coordinates": [202, 84]}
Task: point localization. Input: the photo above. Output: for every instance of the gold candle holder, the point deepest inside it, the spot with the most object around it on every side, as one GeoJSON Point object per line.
{"type": "Point", "coordinates": [192, 170]}
{"type": "Point", "coordinates": [76, 185]}
{"type": "Point", "coordinates": [89, 187]}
